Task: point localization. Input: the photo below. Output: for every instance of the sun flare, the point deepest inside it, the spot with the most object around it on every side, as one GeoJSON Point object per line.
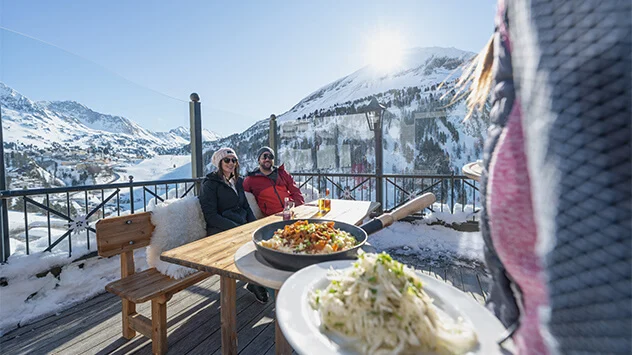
{"type": "Point", "coordinates": [385, 52]}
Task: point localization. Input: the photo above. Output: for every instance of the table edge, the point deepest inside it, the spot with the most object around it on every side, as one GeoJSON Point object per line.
{"type": "Point", "coordinates": [209, 269]}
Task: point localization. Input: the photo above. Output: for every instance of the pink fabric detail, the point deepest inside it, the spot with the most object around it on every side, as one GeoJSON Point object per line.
{"type": "Point", "coordinates": [513, 230]}
{"type": "Point", "coordinates": [502, 25]}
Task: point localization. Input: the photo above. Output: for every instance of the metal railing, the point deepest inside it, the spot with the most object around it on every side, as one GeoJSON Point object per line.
{"type": "Point", "coordinates": [41, 219]}
{"type": "Point", "coordinates": [453, 192]}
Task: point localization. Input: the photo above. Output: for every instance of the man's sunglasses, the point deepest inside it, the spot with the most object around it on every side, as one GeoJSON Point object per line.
{"type": "Point", "coordinates": [228, 160]}
{"type": "Point", "coordinates": [267, 156]}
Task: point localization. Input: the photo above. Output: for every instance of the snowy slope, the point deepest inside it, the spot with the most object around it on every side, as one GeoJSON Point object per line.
{"type": "Point", "coordinates": [162, 167]}
{"type": "Point", "coordinates": [184, 134]}
{"type": "Point", "coordinates": [419, 68]}
{"type": "Point", "coordinates": [69, 123]}
{"type": "Point", "coordinates": [74, 111]}
{"type": "Point", "coordinates": [424, 128]}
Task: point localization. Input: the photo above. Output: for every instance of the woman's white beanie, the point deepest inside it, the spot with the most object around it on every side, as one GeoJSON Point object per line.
{"type": "Point", "coordinates": [221, 154]}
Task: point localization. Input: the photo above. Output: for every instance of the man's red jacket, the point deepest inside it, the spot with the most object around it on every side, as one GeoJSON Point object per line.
{"type": "Point", "coordinates": [271, 190]}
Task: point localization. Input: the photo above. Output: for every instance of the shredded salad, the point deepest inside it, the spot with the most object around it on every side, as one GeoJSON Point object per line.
{"type": "Point", "coordinates": [381, 303]}
{"type": "Point", "coordinates": [302, 237]}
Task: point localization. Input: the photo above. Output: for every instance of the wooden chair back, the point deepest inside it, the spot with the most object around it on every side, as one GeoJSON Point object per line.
{"type": "Point", "coordinates": [116, 235]}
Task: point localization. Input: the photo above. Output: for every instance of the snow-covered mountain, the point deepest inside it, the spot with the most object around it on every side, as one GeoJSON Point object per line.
{"type": "Point", "coordinates": [44, 124]}
{"type": "Point", "coordinates": [420, 67]}
{"type": "Point", "coordinates": [184, 134]}
{"type": "Point", "coordinates": [62, 143]}
{"type": "Point", "coordinates": [72, 111]}
{"type": "Point", "coordinates": [424, 127]}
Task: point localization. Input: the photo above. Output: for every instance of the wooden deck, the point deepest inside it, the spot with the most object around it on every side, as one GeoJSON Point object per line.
{"type": "Point", "coordinates": [94, 327]}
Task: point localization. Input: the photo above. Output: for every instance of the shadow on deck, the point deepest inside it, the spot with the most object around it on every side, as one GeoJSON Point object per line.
{"type": "Point", "coordinates": [94, 327]}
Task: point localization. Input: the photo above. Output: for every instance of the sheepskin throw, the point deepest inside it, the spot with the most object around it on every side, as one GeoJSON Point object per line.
{"type": "Point", "coordinates": [252, 201]}
{"type": "Point", "coordinates": [177, 222]}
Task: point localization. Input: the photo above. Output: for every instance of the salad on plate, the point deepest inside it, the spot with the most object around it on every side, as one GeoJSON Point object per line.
{"type": "Point", "coordinates": [382, 304]}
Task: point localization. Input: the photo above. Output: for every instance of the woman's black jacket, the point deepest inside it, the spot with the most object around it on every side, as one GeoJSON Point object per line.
{"type": "Point", "coordinates": [223, 208]}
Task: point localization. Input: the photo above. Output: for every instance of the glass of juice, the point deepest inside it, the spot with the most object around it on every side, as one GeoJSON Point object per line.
{"type": "Point", "coordinates": [324, 203]}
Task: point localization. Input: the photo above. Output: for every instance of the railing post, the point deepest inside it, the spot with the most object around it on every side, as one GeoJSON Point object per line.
{"type": "Point", "coordinates": [452, 194]}
{"type": "Point", "coordinates": [272, 138]}
{"type": "Point", "coordinates": [131, 195]}
{"type": "Point", "coordinates": [195, 117]}
{"type": "Point", "coordinates": [374, 113]}
{"type": "Point", "coordinates": [4, 213]}
{"type": "Point", "coordinates": [379, 167]}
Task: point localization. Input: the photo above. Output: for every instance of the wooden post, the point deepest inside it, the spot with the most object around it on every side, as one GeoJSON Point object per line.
{"type": "Point", "coordinates": [129, 307]}
{"type": "Point", "coordinates": [195, 118]}
{"type": "Point", "coordinates": [281, 346]}
{"type": "Point", "coordinates": [228, 297]}
{"type": "Point", "coordinates": [158, 326]}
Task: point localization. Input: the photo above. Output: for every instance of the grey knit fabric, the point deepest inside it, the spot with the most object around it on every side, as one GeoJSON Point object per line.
{"type": "Point", "coordinates": [502, 298]}
{"type": "Point", "coordinates": [572, 72]}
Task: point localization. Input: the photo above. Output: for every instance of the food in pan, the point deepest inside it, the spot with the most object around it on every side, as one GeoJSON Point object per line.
{"type": "Point", "coordinates": [382, 304]}
{"type": "Point", "coordinates": [302, 237]}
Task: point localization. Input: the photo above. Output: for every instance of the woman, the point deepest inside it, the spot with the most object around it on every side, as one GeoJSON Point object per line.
{"type": "Point", "coordinates": [224, 203]}
{"type": "Point", "coordinates": [557, 174]}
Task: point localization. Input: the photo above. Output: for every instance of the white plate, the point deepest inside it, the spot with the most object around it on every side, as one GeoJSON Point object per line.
{"type": "Point", "coordinates": [474, 169]}
{"type": "Point", "coordinates": [301, 324]}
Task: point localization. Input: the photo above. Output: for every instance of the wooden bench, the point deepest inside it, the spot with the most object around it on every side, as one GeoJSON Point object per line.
{"type": "Point", "coordinates": [121, 235]}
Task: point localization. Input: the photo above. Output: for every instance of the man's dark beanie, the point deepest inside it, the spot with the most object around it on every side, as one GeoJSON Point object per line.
{"type": "Point", "coordinates": [263, 150]}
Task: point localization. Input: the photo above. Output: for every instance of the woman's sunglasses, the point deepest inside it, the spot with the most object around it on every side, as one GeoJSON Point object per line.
{"type": "Point", "coordinates": [228, 160]}
{"type": "Point", "coordinates": [268, 156]}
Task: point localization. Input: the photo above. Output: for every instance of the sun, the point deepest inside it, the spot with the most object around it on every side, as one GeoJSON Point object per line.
{"type": "Point", "coordinates": [385, 51]}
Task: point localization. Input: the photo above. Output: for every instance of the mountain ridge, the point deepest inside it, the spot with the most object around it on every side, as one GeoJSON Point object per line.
{"type": "Point", "coordinates": [367, 81]}
{"type": "Point", "coordinates": [73, 122]}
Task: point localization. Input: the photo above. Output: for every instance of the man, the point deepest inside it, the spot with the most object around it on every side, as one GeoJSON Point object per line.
{"type": "Point", "coordinates": [271, 185]}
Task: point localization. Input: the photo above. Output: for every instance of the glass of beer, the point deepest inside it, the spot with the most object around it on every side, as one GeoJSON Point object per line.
{"type": "Point", "coordinates": [324, 203]}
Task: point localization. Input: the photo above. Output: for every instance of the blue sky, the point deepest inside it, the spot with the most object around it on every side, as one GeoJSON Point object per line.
{"type": "Point", "coordinates": [245, 59]}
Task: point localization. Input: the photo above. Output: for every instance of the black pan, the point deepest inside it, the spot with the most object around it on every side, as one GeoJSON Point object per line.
{"type": "Point", "coordinates": [294, 262]}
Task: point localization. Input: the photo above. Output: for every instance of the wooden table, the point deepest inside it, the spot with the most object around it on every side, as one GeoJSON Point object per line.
{"type": "Point", "coordinates": [216, 254]}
